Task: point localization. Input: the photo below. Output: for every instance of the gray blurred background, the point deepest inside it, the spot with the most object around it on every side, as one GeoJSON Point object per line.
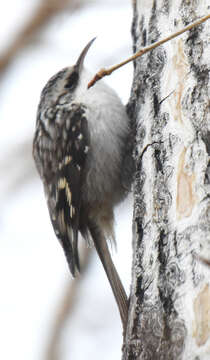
{"type": "Point", "coordinates": [44, 314]}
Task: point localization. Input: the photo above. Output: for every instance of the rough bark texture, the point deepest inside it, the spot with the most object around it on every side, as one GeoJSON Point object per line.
{"type": "Point", "coordinates": [170, 296]}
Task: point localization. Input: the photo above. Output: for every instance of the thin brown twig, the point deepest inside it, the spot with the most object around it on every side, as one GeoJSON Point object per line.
{"type": "Point", "coordinates": [105, 72]}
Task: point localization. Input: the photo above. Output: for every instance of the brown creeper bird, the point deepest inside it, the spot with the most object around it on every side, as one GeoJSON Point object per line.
{"type": "Point", "coordinates": [80, 149]}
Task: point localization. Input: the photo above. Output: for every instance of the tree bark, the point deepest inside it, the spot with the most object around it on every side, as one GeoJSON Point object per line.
{"type": "Point", "coordinates": [169, 316]}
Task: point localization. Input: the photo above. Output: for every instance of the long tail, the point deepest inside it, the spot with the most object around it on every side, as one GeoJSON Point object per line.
{"type": "Point", "coordinates": [113, 277]}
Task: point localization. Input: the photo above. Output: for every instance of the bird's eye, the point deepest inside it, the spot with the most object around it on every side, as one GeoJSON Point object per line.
{"type": "Point", "coordinates": [72, 80]}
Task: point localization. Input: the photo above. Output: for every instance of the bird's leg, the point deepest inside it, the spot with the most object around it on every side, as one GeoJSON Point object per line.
{"type": "Point", "coordinates": [113, 277]}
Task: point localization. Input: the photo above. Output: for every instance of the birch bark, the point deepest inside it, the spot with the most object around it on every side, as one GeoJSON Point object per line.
{"type": "Point", "coordinates": [169, 315]}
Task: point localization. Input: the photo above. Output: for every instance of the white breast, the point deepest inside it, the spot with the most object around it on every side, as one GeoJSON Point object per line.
{"type": "Point", "coordinates": [108, 126]}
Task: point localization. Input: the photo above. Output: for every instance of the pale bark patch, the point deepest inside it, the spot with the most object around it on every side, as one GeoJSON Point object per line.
{"type": "Point", "coordinates": [186, 197]}
{"type": "Point", "coordinates": [181, 67]}
{"type": "Point", "coordinates": [202, 316]}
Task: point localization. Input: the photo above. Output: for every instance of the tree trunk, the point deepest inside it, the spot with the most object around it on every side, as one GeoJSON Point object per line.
{"type": "Point", "coordinates": [169, 315]}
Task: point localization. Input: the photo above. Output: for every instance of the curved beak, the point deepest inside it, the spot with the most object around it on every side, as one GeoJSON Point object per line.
{"type": "Point", "coordinates": [80, 61]}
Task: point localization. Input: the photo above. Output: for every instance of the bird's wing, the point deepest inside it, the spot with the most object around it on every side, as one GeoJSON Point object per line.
{"type": "Point", "coordinates": [65, 187]}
